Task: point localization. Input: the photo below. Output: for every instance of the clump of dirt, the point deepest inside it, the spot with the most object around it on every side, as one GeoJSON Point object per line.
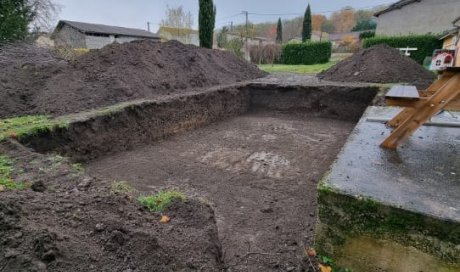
{"type": "Point", "coordinates": [68, 221]}
{"type": "Point", "coordinates": [117, 73]}
{"type": "Point", "coordinates": [380, 64]}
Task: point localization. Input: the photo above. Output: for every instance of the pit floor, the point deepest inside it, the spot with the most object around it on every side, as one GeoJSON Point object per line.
{"type": "Point", "coordinates": [259, 172]}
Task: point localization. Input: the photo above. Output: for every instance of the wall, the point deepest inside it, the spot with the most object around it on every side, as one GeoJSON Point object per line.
{"type": "Point", "coordinates": [124, 126]}
{"type": "Point", "coordinates": [97, 42]}
{"type": "Point", "coordinates": [427, 16]}
{"type": "Point", "coordinates": [68, 36]}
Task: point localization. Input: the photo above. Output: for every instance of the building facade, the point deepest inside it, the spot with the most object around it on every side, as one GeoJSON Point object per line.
{"type": "Point", "coordinates": [417, 17]}
{"type": "Point", "coordinates": [95, 36]}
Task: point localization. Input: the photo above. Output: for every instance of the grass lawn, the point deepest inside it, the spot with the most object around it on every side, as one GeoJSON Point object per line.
{"type": "Point", "coordinates": [299, 69]}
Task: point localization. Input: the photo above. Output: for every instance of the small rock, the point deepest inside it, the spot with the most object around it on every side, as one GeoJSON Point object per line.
{"type": "Point", "coordinates": [2, 188]}
{"type": "Point", "coordinates": [289, 269]}
{"type": "Point", "coordinates": [38, 186]}
{"type": "Point", "coordinates": [312, 214]}
{"type": "Point", "coordinates": [85, 184]}
{"type": "Point", "coordinates": [11, 253]}
{"type": "Point", "coordinates": [39, 266]}
{"type": "Point", "coordinates": [267, 210]}
{"type": "Point", "coordinates": [100, 227]}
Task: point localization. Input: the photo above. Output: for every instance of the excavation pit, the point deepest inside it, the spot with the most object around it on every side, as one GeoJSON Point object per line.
{"type": "Point", "coordinates": [254, 152]}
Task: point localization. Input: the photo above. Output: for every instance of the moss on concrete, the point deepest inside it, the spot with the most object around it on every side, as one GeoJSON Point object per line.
{"type": "Point", "coordinates": [344, 216]}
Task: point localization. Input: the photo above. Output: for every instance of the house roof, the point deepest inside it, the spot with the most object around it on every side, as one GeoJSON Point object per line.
{"type": "Point", "coordinates": [397, 5]}
{"type": "Point", "coordinates": [456, 21]}
{"type": "Point", "coordinates": [452, 32]}
{"type": "Point", "coordinates": [88, 28]}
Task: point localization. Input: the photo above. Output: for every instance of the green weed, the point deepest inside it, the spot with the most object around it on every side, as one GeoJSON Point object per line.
{"type": "Point", "coordinates": [6, 181]}
{"type": "Point", "coordinates": [122, 187]}
{"type": "Point", "coordinates": [161, 200]}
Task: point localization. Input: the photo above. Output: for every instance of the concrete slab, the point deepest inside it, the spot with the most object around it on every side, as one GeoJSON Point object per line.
{"type": "Point", "coordinates": [423, 175]}
{"type": "Point", "coordinates": [406, 198]}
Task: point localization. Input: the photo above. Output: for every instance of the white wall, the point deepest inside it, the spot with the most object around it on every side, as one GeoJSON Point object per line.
{"type": "Point", "coordinates": [427, 16]}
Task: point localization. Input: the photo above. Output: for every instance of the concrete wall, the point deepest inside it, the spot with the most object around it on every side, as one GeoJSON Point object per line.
{"type": "Point", "coordinates": [68, 36]}
{"type": "Point", "coordinates": [426, 16]}
{"type": "Point", "coordinates": [97, 42]}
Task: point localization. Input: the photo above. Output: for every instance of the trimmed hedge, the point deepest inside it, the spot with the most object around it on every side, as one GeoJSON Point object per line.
{"type": "Point", "coordinates": [366, 35]}
{"type": "Point", "coordinates": [306, 53]}
{"type": "Point", "coordinates": [425, 44]}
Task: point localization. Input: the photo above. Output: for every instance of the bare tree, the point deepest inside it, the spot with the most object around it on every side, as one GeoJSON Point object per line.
{"type": "Point", "coordinates": [45, 13]}
{"type": "Point", "coordinates": [179, 22]}
{"type": "Point", "coordinates": [177, 17]}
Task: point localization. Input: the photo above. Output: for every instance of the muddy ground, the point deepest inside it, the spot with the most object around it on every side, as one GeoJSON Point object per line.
{"type": "Point", "coordinates": [258, 171]}
{"type": "Point", "coordinates": [71, 222]}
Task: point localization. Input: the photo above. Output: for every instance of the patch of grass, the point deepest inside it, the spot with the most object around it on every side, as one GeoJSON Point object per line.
{"type": "Point", "coordinates": [27, 125]}
{"type": "Point", "coordinates": [122, 187]}
{"type": "Point", "coordinates": [161, 200]}
{"type": "Point", "coordinates": [298, 69]}
{"type": "Point", "coordinates": [78, 167]}
{"type": "Point", "coordinates": [6, 181]}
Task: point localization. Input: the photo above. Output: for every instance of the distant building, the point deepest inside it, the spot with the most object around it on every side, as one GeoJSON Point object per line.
{"type": "Point", "coordinates": [417, 17]}
{"type": "Point", "coordinates": [183, 35]}
{"type": "Point", "coordinates": [94, 36]}
{"type": "Point", "coordinates": [316, 36]}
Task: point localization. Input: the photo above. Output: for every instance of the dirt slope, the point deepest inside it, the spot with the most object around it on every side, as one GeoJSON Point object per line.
{"type": "Point", "coordinates": [380, 64]}
{"type": "Point", "coordinates": [70, 222]}
{"type": "Point", "coordinates": [116, 73]}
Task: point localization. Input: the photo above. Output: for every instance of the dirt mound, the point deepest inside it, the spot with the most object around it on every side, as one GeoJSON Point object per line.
{"type": "Point", "coordinates": [118, 73]}
{"type": "Point", "coordinates": [71, 222]}
{"type": "Point", "coordinates": [380, 64]}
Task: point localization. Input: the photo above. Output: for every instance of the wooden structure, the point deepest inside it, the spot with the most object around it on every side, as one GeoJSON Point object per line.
{"type": "Point", "coordinates": [421, 106]}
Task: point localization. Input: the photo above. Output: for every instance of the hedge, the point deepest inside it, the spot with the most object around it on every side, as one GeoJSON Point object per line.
{"type": "Point", "coordinates": [425, 44]}
{"type": "Point", "coordinates": [306, 53]}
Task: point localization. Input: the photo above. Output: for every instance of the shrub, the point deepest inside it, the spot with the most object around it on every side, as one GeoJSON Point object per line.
{"type": "Point", "coordinates": [307, 53]}
{"type": "Point", "coordinates": [235, 46]}
{"type": "Point", "coordinates": [425, 44]}
{"type": "Point", "coordinates": [160, 201]}
{"type": "Point", "coordinates": [366, 35]}
{"type": "Point", "coordinates": [267, 54]}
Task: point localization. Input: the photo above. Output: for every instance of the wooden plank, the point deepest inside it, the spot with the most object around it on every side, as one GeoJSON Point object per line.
{"type": "Point", "coordinates": [423, 112]}
{"type": "Point", "coordinates": [403, 92]}
{"type": "Point", "coordinates": [406, 103]}
{"type": "Point", "coordinates": [398, 119]}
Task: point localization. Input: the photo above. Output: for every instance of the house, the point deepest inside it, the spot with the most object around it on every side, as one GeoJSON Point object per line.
{"type": "Point", "coordinates": [94, 36]}
{"type": "Point", "coordinates": [316, 36]}
{"type": "Point", "coordinates": [417, 17]}
{"type": "Point", "coordinates": [183, 35]}
{"type": "Point", "coordinates": [451, 40]}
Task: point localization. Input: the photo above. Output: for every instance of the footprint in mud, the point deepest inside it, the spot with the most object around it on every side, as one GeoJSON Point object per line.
{"type": "Point", "coordinates": [261, 163]}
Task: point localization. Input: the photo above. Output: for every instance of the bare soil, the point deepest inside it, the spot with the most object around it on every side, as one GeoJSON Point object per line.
{"type": "Point", "coordinates": [116, 73]}
{"type": "Point", "coordinates": [72, 222]}
{"type": "Point", "coordinates": [380, 64]}
{"type": "Point", "coordinates": [258, 171]}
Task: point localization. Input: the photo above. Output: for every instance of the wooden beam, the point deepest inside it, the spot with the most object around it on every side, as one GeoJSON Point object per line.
{"type": "Point", "coordinates": [424, 111]}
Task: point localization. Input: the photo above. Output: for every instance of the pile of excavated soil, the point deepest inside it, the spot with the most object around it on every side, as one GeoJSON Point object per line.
{"type": "Point", "coordinates": [380, 64]}
{"type": "Point", "coordinates": [116, 73]}
{"type": "Point", "coordinates": [71, 222]}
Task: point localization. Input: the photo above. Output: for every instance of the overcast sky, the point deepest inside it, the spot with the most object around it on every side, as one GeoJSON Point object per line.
{"type": "Point", "coordinates": [136, 13]}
